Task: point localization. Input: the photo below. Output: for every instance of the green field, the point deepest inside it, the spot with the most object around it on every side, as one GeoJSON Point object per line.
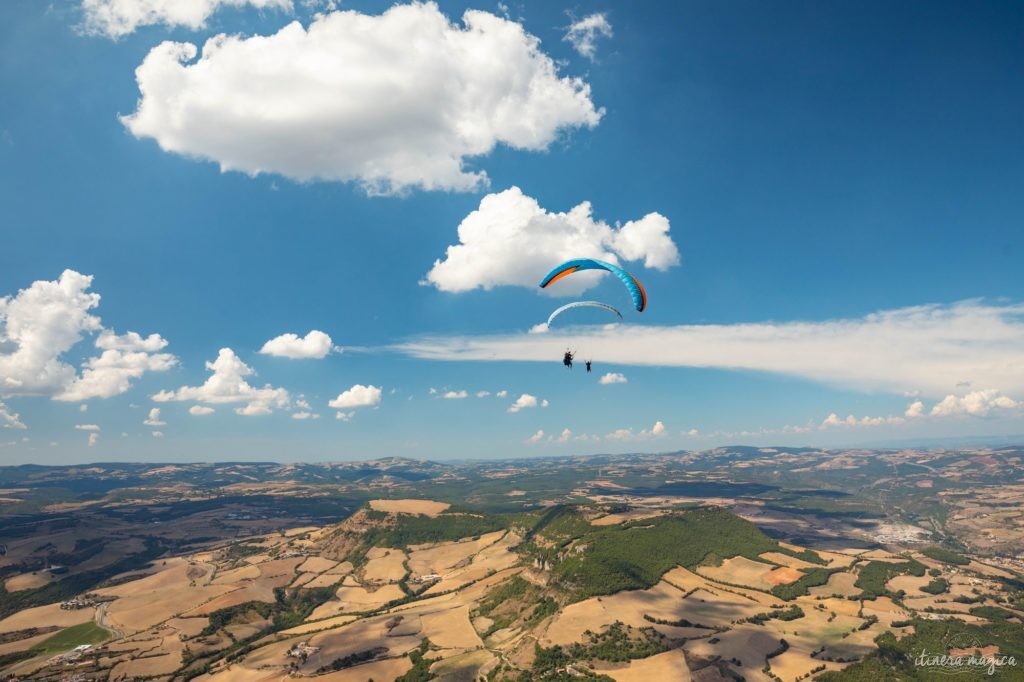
{"type": "Point", "coordinates": [68, 638]}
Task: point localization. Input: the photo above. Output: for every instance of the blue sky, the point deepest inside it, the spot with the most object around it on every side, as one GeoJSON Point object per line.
{"type": "Point", "coordinates": [814, 165]}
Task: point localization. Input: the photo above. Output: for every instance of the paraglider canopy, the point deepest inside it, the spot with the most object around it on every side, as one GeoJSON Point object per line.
{"type": "Point", "coordinates": [636, 290]}
{"type": "Point", "coordinates": [582, 304]}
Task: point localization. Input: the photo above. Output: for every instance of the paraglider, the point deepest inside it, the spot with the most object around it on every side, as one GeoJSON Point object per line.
{"type": "Point", "coordinates": [567, 360]}
{"type": "Point", "coordinates": [636, 290]}
{"type": "Point", "coordinates": [582, 304]}
{"type": "Point", "coordinates": [587, 363]}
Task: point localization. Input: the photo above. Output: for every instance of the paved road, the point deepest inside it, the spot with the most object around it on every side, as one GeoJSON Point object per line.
{"type": "Point", "coordinates": [101, 620]}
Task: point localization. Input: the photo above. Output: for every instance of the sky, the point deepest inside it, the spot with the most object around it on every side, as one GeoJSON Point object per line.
{"type": "Point", "coordinates": [287, 230]}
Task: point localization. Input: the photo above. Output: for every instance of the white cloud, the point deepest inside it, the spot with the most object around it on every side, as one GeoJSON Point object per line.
{"type": "Point", "coordinates": [9, 419]}
{"type": "Point", "coordinates": [501, 394]}
{"type": "Point", "coordinates": [613, 378]}
{"type": "Point", "coordinates": [455, 395]}
{"type": "Point", "coordinates": [432, 391]}
{"type": "Point", "coordinates": [540, 328]}
{"type": "Point", "coordinates": [353, 398]}
{"type": "Point", "coordinates": [536, 437]}
{"type": "Point", "coordinates": [583, 34]}
{"type": "Point", "coordinates": [914, 409]}
{"type": "Point", "coordinates": [83, 408]}
{"type": "Point", "coordinates": [305, 415]}
{"type": "Point", "coordinates": [123, 358]}
{"type": "Point", "coordinates": [200, 410]}
{"type": "Point", "coordinates": [834, 420]}
{"type": "Point", "coordinates": [565, 436]}
{"type": "Point", "coordinates": [87, 427]}
{"type": "Point", "coordinates": [154, 418]}
{"type": "Point", "coordinates": [656, 431]}
{"type": "Point", "coordinates": [228, 385]}
{"type": "Point", "coordinates": [620, 434]}
{"type": "Point", "coordinates": [40, 324]}
{"type": "Point", "coordinates": [316, 345]}
{"type": "Point", "coordinates": [93, 439]}
{"type": "Point", "coordinates": [482, 394]}
{"type": "Point", "coordinates": [693, 433]}
{"type": "Point", "coordinates": [118, 18]}
{"type": "Point", "coordinates": [37, 326]}
{"type": "Point", "coordinates": [927, 348]}
{"type": "Point", "coordinates": [510, 222]}
{"type": "Point", "coordinates": [158, 434]}
{"type": "Point", "coordinates": [523, 402]}
{"type": "Point", "coordinates": [975, 404]}
{"type": "Point", "coordinates": [392, 101]}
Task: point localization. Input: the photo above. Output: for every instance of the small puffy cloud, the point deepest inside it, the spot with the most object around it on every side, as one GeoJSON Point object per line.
{"type": "Point", "coordinates": [432, 391]}
{"type": "Point", "coordinates": [9, 419]}
{"type": "Point", "coordinates": [118, 18]}
{"type": "Point", "coordinates": [620, 434]}
{"type": "Point", "coordinates": [536, 437]}
{"type": "Point", "coordinates": [541, 328]}
{"type": "Point", "coordinates": [656, 431]}
{"type": "Point", "coordinates": [83, 408]}
{"type": "Point", "coordinates": [200, 410]}
{"type": "Point", "coordinates": [583, 34]}
{"type": "Point", "coordinates": [455, 395]}
{"type": "Point", "coordinates": [613, 378]}
{"type": "Point", "coordinates": [914, 409]}
{"type": "Point", "coordinates": [123, 359]}
{"type": "Point", "coordinates": [482, 394]}
{"type": "Point", "coordinates": [975, 404]}
{"type": "Point", "coordinates": [356, 397]}
{"type": "Point", "coordinates": [87, 427]}
{"type": "Point", "coordinates": [526, 401]}
{"type": "Point", "coordinates": [226, 385]}
{"type": "Point", "coordinates": [315, 345]}
{"type": "Point", "coordinates": [154, 418]}
{"type": "Point", "coordinates": [501, 394]}
{"type": "Point", "coordinates": [391, 101]}
{"type": "Point", "coordinates": [509, 239]}
{"type": "Point", "coordinates": [565, 436]}
{"type": "Point", "coordinates": [305, 415]}
{"type": "Point", "coordinates": [693, 433]}
{"type": "Point", "coordinates": [158, 434]}
{"type": "Point", "coordinates": [93, 439]}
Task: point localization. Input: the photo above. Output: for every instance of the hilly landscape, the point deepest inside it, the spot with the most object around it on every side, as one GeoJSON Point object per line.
{"type": "Point", "coordinates": [727, 564]}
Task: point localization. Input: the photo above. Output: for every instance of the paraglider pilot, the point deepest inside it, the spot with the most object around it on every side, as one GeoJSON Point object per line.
{"type": "Point", "coordinates": [588, 365]}
{"type": "Point", "coordinates": [567, 360]}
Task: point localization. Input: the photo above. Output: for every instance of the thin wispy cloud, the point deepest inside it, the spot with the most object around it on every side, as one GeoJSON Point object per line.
{"type": "Point", "coordinates": [928, 348]}
{"type": "Point", "coordinates": [118, 18]}
{"type": "Point", "coordinates": [584, 33]}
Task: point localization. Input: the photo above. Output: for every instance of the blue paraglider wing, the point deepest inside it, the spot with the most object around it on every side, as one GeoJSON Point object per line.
{"type": "Point", "coordinates": [582, 304]}
{"type": "Point", "coordinates": [636, 290]}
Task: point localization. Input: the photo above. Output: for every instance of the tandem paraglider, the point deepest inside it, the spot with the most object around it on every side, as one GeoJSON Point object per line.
{"type": "Point", "coordinates": [633, 286]}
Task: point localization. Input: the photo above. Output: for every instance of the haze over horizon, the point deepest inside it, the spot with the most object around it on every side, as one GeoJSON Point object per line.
{"type": "Point", "coordinates": [275, 230]}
